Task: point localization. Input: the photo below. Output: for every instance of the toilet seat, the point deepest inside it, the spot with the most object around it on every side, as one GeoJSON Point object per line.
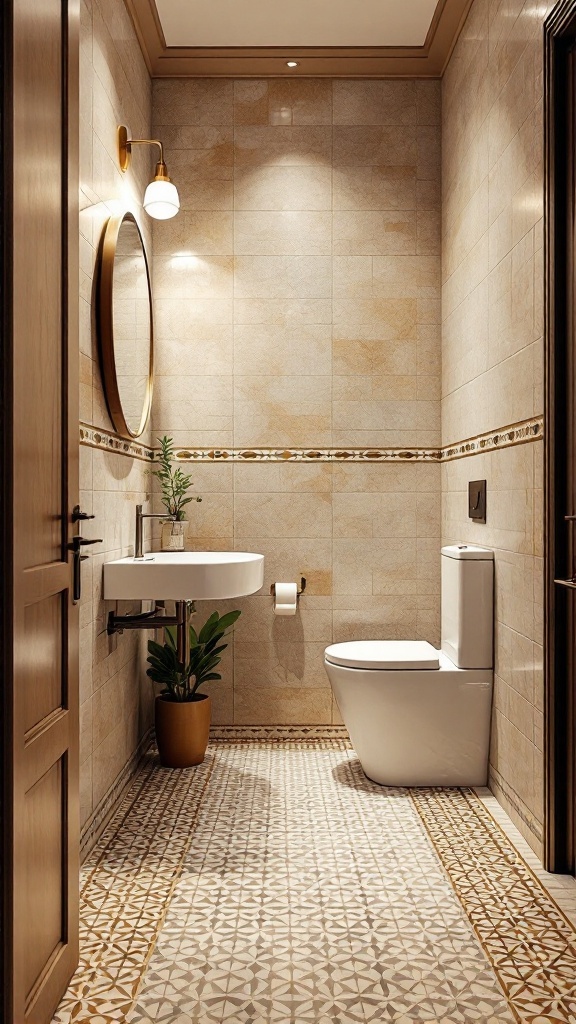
{"type": "Point", "coordinates": [387, 655]}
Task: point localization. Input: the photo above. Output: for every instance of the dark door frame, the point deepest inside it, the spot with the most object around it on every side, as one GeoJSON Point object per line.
{"type": "Point", "coordinates": [560, 435]}
{"type": "Point", "coordinates": [5, 493]}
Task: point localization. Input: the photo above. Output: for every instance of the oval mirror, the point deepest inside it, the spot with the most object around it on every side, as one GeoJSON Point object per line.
{"type": "Point", "coordinates": [125, 334]}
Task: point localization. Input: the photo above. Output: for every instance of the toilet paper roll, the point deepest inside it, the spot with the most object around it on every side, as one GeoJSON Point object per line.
{"type": "Point", "coordinates": [285, 599]}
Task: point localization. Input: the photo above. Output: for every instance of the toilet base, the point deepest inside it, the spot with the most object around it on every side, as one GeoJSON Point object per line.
{"type": "Point", "coordinates": [417, 728]}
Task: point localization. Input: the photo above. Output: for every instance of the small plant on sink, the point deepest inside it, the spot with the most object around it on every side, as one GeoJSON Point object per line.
{"type": "Point", "coordinates": [174, 488]}
{"type": "Point", "coordinates": [182, 713]}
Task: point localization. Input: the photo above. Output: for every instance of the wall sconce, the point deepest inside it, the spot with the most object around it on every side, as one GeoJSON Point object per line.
{"type": "Point", "coordinates": [161, 198]}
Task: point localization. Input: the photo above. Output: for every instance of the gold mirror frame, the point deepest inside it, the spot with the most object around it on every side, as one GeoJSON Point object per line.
{"type": "Point", "coordinates": [105, 308]}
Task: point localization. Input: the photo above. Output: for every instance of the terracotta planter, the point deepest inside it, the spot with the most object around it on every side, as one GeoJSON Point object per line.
{"type": "Point", "coordinates": [173, 536]}
{"type": "Point", "coordinates": [182, 731]}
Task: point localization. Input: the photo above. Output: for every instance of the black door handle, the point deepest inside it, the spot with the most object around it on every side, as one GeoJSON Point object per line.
{"type": "Point", "coordinates": [78, 514]}
{"type": "Point", "coordinates": [75, 547]}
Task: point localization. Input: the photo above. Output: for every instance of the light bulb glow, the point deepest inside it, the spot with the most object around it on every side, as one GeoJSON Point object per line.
{"type": "Point", "coordinates": [161, 199]}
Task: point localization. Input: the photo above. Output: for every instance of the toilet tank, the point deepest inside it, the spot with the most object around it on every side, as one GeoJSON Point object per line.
{"type": "Point", "coordinates": [468, 605]}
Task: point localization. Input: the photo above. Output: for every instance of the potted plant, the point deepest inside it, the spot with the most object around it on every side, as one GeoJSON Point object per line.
{"type": "Point", "coordinates": [182, 714]}
{"type": "Point", "coordinates": [174, 486]}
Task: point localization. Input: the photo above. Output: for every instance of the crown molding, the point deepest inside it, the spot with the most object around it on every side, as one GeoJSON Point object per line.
{"type": "Point", "coordinates": [427, 61]}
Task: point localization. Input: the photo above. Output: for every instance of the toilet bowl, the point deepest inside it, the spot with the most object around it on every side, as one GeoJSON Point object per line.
{"type": "Point", "coordinates": [417, 716]}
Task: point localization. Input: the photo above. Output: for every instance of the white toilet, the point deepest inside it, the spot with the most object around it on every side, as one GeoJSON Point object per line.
{"type": "Point", "coordinates": [417, 716]}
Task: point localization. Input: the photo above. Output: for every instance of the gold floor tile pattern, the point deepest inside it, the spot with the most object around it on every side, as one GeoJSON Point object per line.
{"type": "Point", "coordinates": [275, 883]}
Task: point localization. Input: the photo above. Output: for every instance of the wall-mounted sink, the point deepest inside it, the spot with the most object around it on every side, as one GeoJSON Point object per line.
{"type": "Point", "coordinates": [184, 576]}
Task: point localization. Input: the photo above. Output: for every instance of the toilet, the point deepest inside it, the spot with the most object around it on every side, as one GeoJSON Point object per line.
{"type": "Point", "coordinates": [417, 716]}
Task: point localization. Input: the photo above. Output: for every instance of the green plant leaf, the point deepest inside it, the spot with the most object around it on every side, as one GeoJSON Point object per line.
{"type": "Point", "coordinates": [208, 628]}
{"type": "Point", "coordinates": [228, 620]}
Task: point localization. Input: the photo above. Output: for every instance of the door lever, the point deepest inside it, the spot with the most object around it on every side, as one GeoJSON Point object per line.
{"type": "Point", "coordinates": [75, 547]}
{"type": "Point", "coordinates": [78, 514]}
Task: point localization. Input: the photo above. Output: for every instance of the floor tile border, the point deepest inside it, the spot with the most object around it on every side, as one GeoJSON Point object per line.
{"type": "Point", "coordinates": [110, 802]}
{"type": "Point", "coordinates": [508, 436]}
{"type": "Point", "coordinates": [512, 924]}
{"type": "Point", "coordinates": [149, 868]}
{"type": "Point", "coordinates": [278, 733]}
{"type": "Point", "coordinates": [128, 885]}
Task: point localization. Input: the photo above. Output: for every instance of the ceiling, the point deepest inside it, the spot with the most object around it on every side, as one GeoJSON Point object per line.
{"type": "Point", "coordinates": [328, 38]}
{"type": "Point", "coordinates": [296, 23]}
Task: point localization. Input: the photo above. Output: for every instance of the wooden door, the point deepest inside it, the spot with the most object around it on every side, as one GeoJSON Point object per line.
{"type": "Point", "coordinates": [43, 799]}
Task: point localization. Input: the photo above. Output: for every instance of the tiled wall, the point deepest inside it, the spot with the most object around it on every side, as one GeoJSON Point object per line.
{"type": "Point", "coordinates": [115, 697]}
{"type": "Point", "coordinates": [492, 312]}
{"type": "Point", "coordinates": [297, 305]}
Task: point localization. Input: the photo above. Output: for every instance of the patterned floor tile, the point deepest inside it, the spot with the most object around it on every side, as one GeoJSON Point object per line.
{"type": "Point", "coordinates": [275, 884]}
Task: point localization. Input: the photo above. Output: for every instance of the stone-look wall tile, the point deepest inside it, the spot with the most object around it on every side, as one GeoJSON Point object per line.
{"type": "Point", "coordinates": [193, 102]}
{"type": "Point", "coordinates": [492, 355]}
{"type": "Point", "coordinates": [303, 277]}
{"type": "Point", "coordinates": [375, 103]}
{"type": "Point", "coordinates": [288, 411]}
{"type": "Point", "coordinates": [282, 102]}
{"type": "Point", "coordinates": [282, 233]}
{"type": "Point", "coordinates": [268, 187]}
{"type": "Point", "coordinates": [115, 701]}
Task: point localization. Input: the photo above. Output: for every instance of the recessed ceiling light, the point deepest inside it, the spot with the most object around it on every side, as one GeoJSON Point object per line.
{"type": "Point", "coordinates": [291, 63]}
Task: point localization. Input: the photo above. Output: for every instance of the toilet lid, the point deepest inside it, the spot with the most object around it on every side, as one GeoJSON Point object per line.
{"type": "Point", "coordinates": [384, 654]}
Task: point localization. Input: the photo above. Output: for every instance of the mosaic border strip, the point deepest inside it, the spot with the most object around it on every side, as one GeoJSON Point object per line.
{"type": "Point", "coordinates": [279, 734]}
{"type": "Point", "coordinates": [529, 941]}
{"type": "Point", "coordinates": [505, 437]}
{"type": "Point", "coordinates": [132, 873]}
{"type": "Point", "coordinates": [308, 454]}
{"type": "Point", "coordinates": [126, 890]}
{"type": "Point", "coordinates": [110, 802]}
{"type": "Point", "coordinates": [107, 440]}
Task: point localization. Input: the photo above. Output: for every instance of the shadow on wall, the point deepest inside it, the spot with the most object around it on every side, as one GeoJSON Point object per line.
{"type": "Point", "coordinates": [291, 657]}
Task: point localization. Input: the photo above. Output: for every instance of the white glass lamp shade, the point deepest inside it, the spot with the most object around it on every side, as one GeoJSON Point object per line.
{"type": "Point", "coordinates": [161, 199]}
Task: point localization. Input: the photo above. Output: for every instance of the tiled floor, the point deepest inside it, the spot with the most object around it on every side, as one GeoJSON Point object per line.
{"type": "Point", "coordinates": [275, 883]}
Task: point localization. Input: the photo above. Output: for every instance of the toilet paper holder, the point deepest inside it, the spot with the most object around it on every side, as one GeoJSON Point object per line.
{"type": "Point", "coordinates": [298, 592]}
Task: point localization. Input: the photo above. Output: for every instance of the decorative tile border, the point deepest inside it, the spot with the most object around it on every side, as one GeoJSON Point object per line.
{"type": "Point", "coordinates": [308, 454]}
{"type": "Point", "coordinates": [107, 807]}
{"type": "Point", "coordinates": [106, 440]}
{"type": "Point", "coordinates": [127, 883]}
{"type": "Point", "coordinates": [140, 869]}
{"type": "Point", "coordinates": [528, 940]}
{"type": "Point", "coordinates": [279, 734]}
{"type": "Point", "coordinates": [505, 437]}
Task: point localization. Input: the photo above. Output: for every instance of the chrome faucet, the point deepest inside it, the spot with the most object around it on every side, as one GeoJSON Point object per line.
{"type": "Point", "coordinates": [140, 517]}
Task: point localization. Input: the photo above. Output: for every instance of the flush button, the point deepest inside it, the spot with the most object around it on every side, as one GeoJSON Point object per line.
{"type": "Point", "coordinates": [477, 500]}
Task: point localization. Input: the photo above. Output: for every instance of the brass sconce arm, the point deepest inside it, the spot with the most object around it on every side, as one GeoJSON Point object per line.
{"type": "Point", "coordinates": [125, 148]}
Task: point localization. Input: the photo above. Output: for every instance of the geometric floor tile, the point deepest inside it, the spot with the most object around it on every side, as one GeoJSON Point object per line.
{"type": "Point", "coordinates": [275, 884]}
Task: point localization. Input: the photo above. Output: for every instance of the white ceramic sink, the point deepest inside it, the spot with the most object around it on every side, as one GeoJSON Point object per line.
{"type": "Point", "coordinates": [184, 576]}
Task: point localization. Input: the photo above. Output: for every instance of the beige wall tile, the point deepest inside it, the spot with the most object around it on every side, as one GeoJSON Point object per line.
{"type": "Point", "coordinates": [283, 188]}
{"type": "Point", "coordinates": [374, 103]}
{"type": "Point", "coordinates": [332, 301]}
{"type": "Point", "coordinates": [280, 351]}
{"type": "Point", "coordinates": [282, 233]}
{"type": "Point", "coordinates": [283, 706]}
{"type": "Point", "coordinates": [187, 101]}
{"type": "Point", "coordinates": [282, 145]}
{"type": "Point", "coordinates": [492, 308]}
{"type": "Point", "coordinates": [114, 88]}
{"type": "Point", "coordinates": [288, 411]}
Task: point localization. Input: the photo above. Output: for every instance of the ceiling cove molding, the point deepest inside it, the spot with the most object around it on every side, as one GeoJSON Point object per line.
{"type": "Point", "coordinates": [427, 61]}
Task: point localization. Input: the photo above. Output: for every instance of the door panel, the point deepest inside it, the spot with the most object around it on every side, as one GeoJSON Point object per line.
{"type": "Point", "coordinates": [44, 924]}
{"type": "Point", "coordinates": [41, 663]}
{"type": "Point", "coordinates": [44, 709]}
